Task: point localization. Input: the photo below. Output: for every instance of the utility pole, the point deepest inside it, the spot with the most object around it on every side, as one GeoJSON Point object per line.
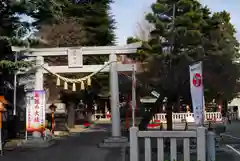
{"type": "Point", "coordinates": [173, 27]}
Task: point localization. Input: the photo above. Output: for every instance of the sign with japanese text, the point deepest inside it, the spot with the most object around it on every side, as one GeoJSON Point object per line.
{"type": "Point", "coordinates": [36, 111]}
{"type": "Point", "coordinates": [75, 58]}
{"type": "Point", "coordinates": [196, 86]}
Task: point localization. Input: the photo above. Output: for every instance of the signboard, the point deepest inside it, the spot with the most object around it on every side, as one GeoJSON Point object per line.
{"type": "Point", "coordinates": [75, 59]}
{"type": "Point", "coordinates": [155, 93]}
{"type": "Point", "coordinates": [196, 86]}
{"type": "Point", "coordinates": [35, 111]}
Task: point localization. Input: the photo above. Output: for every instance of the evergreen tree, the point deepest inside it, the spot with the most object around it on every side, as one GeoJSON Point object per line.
{"type": "Point", "coordinates": [92, 15]}
{"type": "Point", "coordinates": [96, 19]}
{"type": "Point", "coordinates": [185, 32]}
{"type": "Point", "coordinates": [10, 27]}
{"type": "Point", "coordinates": [11, 30]}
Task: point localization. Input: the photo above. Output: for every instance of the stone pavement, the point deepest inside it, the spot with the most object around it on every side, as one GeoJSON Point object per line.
{"type": "Point", "coordinates": [231, 140]}
{"type": "Point", "coordinates": [81, 145]}
{"type": "Point", "coordinates": [232, 134]}
{"type": "Point", "coordinates": [234, 129]}
{"type": "Point", "coordinates": [14, 143]}
{"type": "Point", "coordinates": [76, 147]}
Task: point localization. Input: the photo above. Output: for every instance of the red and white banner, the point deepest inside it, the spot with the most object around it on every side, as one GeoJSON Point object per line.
{"type": "Point", "coordinates": [196, 87]}
{"type": "Point", "coordinates": [36, 111]}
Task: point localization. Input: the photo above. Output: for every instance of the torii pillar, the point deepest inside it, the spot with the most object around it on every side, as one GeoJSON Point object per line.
{"type": "Point", "coordinates": [116, 140]}
{"type": "Point", "coordinates": [114, 100]}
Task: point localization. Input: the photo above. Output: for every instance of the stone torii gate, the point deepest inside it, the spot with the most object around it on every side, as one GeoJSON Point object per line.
{"type": "Point", "coordinates": [75, 65]}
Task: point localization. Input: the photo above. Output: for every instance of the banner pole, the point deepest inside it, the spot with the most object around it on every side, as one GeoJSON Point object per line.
{"type": "Point", "coordinates": [26, 117]}
{"type": "Point", "coordinates": [29, 104]}
{"type": "Point", "coordinates": [133, 94]}
{"type": "Point", "coordinates": [203, 113]}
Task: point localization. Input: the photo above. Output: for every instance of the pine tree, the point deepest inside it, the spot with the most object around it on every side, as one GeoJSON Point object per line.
{"type": "Point", "coordinates": [96, 20]}
{"type": "Point", "coordinates": [92, 15]}
{"type": "Point", "coordinates": [11, 30]}
{"type": "Point", "coordinates": [9, 26]}
{"type": "Point", "coordinates": [185, 32]}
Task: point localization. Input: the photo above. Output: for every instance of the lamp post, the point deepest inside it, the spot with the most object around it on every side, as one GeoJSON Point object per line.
{"type": "Point", "coordinates": [15, 76]}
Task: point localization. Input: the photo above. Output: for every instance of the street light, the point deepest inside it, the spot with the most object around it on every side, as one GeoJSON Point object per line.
{"type": "Point", "coordinates": [15, 76]}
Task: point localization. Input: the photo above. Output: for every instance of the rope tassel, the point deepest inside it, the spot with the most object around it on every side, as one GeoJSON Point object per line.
{"type": "Point", "coordinates": [89, 81]}
{"type": "Point", "coordinates": [82, 85]}
{"type": "Point", "coordinates": [65, 85]}
{"type": "Point", "coordinates": [74, 87]}
{"type": "Point", "coordinates": [79, 80]}
{"type": "Point", "coordinates": [58, 81]}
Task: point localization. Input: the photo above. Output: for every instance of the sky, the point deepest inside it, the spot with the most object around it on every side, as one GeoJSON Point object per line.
{"type": "Point", "coordinates": [129, 12]}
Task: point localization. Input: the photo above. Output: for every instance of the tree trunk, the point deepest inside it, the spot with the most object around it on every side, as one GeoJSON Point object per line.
{"type": "Point", "coordinates": [71, 115]}
{"type": "Point", "coordinates": [169, 116]}
{"type": "Point", "coordinates": [225, 108]}
{"type": "Point", "coordinates": [89, 116]}
{"type": "Point", "coordinates": [173, 102]}
{"type": "Point", "coordinates": [89, 112]}
{"type": "Point", "coordinates": [178, 105]}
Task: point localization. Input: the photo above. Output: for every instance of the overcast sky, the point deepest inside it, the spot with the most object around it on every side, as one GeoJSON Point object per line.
{"type": "Point", "coordinates": [129, 12]}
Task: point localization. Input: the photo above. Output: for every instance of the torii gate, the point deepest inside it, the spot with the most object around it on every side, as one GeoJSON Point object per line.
{"type": "Point", "coordinates": [75, 65]}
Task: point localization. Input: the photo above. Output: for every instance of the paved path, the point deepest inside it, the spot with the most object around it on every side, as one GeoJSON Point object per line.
{"type": "Point", "coordinates": [83, 147]}
{"type": "Point", "coordinates": [234, 128]}
{"type": "Point", "coordinates": [231, 140]}
{"type": "Point", "coordinates": [78, 147]}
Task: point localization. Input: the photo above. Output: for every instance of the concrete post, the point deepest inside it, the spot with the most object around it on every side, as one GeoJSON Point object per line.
{"type": "Point", "coordinates": [134, 144]}
{"type": "Point", "coordinates": [211, 149]}
{"type": "Point", "coordinates": [38, 86]}
{"type": "Point", "coordinates": [115, 114]}
{"type": "Point", "coordinates": [238, 113]}
{"type": "Point", "coordinates": [201, 143]}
